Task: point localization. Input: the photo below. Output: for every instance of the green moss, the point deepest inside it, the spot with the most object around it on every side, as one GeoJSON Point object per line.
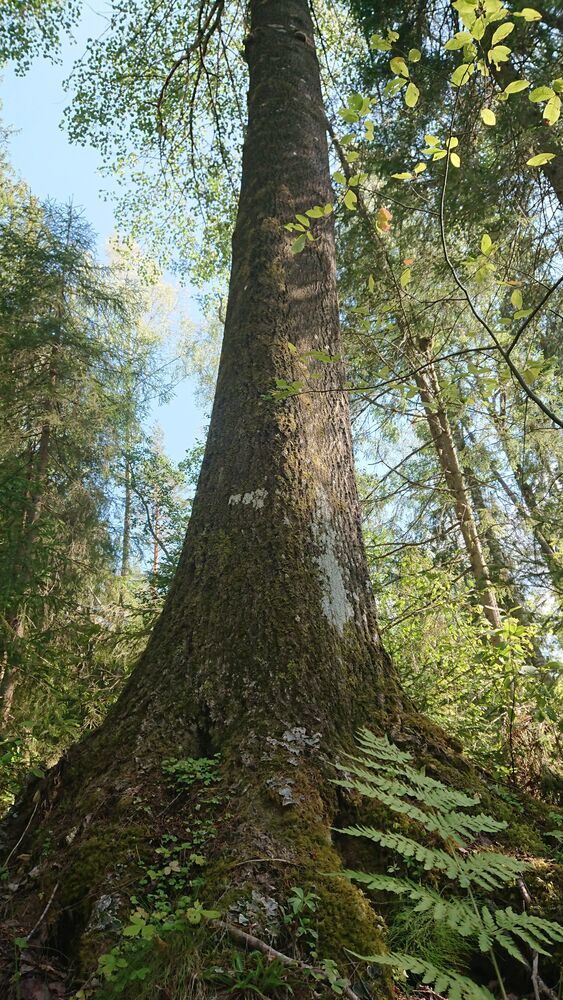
{"type": "Point", "coordinates": [92, 860]}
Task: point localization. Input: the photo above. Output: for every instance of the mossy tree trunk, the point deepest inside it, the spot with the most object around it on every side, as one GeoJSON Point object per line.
{"type": "Point", "coordinates": [267, 649]}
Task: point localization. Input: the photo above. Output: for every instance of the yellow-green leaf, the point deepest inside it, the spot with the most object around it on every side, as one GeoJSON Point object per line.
{"type": "Point", "coordinates": [486, 244]}
{"type": "Point", "coordinates": [460, 39]}
{"type": "Point", "coordinates": [440, 154]}
{"type": "Point", "coordinates": [379, 43]}
{"type": "Point", "coordinates": [552, 110]}
{"type": "Point", "coordinates": [350, 199]}
{"type": "Point", "coordinates": [431, 140]}
{"type": "Point", "coordinates": [499, 54]}
{"type": "Point", "coordinates": [303, 220]}
{"type": "Point", "coordinates": [371, 283]}
{"type": "Point", "coordinates": [516, 299]}
{"type": "Point", "coordinates": [540, 94]}
{"type": "Point", "coordinates": [455, 160]}
{"type": "Point", "coordinates": [404, 176]}
{"type": "Point", "coordinates": [462, 74]}
{"type": "Point", "coordinates": [299, 244]}
{"type": "Point", "coordinates": [406, 277]}
{"type": "Point", "coordinates": [558, 85]}
{"type": "Point", "coordinates": [399, 66]}
{"type": "Point", "coordinates": [516, 86]}
{"type": "Point", "coordinates": [452, 142]}
{"type": "Point", "coordinates": [478, 29]}
{"type": "Point", "coordinates": [420, 167]}
{"type": "Point", "coordinates": [411, 96]}
{"type": "Point", "coordinates": [502, 32]}
{"type": "Point", "coordinates": [528, 13]}
{"type": "Point", "coordinates": [539, 159]}
{"type": "Point", "coordinates": [488, 116]}
{"type": "Point", "coordinates": [415, 55]}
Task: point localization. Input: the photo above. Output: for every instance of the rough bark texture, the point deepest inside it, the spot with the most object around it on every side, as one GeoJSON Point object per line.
{"type": "Point", "coordinates": [267, 648]}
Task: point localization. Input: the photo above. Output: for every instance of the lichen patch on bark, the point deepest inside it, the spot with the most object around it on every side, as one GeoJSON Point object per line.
{"type": "Point", "coordinates": [254, 498]}
{"type": "Point", "coordinates": [336, 604]}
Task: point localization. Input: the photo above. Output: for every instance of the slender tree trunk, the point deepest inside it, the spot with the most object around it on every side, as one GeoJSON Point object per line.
{"type": "Point", "coordinates": [22, 573]}
{"type": "Point", "coordinates": [126, 532]}
{"type": "Point", "coordinates": [444, 444]}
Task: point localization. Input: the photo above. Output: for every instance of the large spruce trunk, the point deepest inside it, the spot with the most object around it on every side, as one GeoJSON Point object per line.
{"type": "Point", "coordinates": [267, 649]}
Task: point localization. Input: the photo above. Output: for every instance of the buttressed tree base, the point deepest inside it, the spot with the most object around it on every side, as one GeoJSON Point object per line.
{"type": "Point", "coordinates": [267, 650]}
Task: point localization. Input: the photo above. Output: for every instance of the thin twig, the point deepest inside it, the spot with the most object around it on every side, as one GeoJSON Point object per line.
{"type": "Point", "coordinates": [253, 942]}
{"type": "Point", "coordinates": [44, 914]}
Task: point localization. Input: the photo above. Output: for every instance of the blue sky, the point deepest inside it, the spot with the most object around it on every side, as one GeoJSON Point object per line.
{"type": "Point", "coordinates": [40, 152]}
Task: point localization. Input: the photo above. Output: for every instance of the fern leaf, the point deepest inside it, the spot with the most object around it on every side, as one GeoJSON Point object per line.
{"type": "Point", "coordinates": [431, 859]}
{"type": "Point", "coordinates": [457, 986]}
{"type": "Point", "coordinates": [490, 870]}
{"type": "Point", "coordinates": [534, 931]}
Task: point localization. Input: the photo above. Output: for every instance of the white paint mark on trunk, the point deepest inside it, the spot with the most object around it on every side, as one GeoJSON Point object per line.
{"type": "Point", "coordinates": [335, 602]}
{"type": "Point", "coordinates": [254, 499]}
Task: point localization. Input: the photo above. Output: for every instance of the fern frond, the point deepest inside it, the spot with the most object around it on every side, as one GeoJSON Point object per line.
{"type": "Point", "coordinates": [458, 987]}
{"type": "Point", "coordinates": [534, 931]}
{"type": "Point", "coordinates": [431, 859]}
{"type": "Point", "coordinates": [458, 914]}
{"type": "Point", "coordinates": [381, 747]}
{"type": "Point", "coordinates": [489, 870]}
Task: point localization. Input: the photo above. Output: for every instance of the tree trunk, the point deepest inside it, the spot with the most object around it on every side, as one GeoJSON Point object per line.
{"type": "Point", "coordinates": [22, 572]}
{"type": "Point", "coordinates": [444, 444]}
{"type": "Point", "coordinates": [267, 649]}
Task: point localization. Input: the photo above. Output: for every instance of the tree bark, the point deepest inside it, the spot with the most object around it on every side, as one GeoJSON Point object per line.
{"type": "Point", "coordinates": [267, 649]}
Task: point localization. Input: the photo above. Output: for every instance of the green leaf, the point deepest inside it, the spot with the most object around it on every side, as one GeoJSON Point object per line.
{"type": "Point", "coordinates": [406, 277]}
{"type": "Point", "coordinates": [303, 220]}
{"type": "Point", "coordinates": [339, 177]}
{"type": "Point", "coordinates": [350, 199]}
{"type": "Point", "coordinates": [539, 159]}
{"type": "Point", "coordinates": [455, 160]}
{"type": "Point", "coordinates": [404, 176]}
{"type": "Point", "coordinates": [462, 74]}
{"type": "Point", "coordinates": [379, 44]}
{"type": "Point", "coordinates": [411, 96]}
{"type": "Point", "coordinates": [502, 32]}
{"type": "Point", "coordinates": [478, 29]}
{"type": "Point", "coordinates": [399, 66]}
{"type": "Point", "coordinates": [499, 54]}
{"type": "Point", "coordinates": [552, 110]}
{"type": "Point", "coordinates": [299, 244]}
{"type": "Point", "coordinates": [431, 140]}
{"type": "Point", "coordinates": [558, 85]}
{"type": "Point", "coordinates": [460, 39]}
{"type": "Point", "coordinates": [540, 94]}
{"type": "Point", "coordinates": [486, 244]}
{"type": "Point", "coordinates": [415, 55]}
{"type": "Point", "coordinates": [528, 13]}
{"type": "Point", "coordinates": [420, 168]}
{"type": "Point", "coordinates": [516, 298]}
{"type": "Point", "coordinates": [488, 116]}
{"type": "Point", "coordinates": [315, 213]}
{"type": "Point", "coordinates": [516, 86]}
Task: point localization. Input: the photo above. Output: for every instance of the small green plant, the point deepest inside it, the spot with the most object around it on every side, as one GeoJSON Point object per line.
{"type": "Point", "coordinates": [300, 918]}
{"type": "Point", "coordinates": [192, 770]}
{"type": "Point", "coordinates": [384, 772]}
{"type": "Point", "coordinates": [253, 973]}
